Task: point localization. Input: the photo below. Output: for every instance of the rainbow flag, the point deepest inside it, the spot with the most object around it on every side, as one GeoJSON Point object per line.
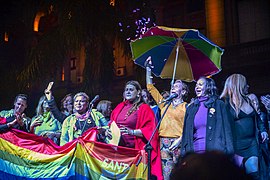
{"type": "Point", "coordinates": [27, 156]}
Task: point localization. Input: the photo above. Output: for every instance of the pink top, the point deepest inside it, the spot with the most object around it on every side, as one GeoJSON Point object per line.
{"type": "Point", "coordinates": [146, 123]}
{"type": "Point", "coordinates": [129, 122]}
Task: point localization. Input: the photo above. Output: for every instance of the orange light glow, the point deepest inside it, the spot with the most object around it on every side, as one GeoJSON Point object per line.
{"type": "Point", "coordinates": [63, 75]}
{"type": "Point", "coordinates": [36, 22]}
{"type": "Point", "coordinates": [215, 21]}
{"type": "Point", "coordinates": [6, 37]}
{"type": "Point", "coordinates": [112, 2]}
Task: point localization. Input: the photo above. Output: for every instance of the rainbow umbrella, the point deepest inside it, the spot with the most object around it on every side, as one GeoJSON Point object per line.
{"type": "Point", "coordinates": [177, 53]}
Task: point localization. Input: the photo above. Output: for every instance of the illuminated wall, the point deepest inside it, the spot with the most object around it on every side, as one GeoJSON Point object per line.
{"type": "Point", "coordinates": [215, 21]}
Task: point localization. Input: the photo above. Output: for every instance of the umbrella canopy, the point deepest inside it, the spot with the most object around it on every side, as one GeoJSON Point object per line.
{"type": "Point", "coordinates": [183, 54]}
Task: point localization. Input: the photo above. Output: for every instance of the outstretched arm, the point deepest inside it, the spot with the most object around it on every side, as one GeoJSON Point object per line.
{"type": "Point", "coordinates": [53, 107]}
{"type": "Point", "coordinates": [148, 65]}
{"type": "Point", "coordinates": [6, 126]}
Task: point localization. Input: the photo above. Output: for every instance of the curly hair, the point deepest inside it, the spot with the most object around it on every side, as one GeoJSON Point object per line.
{"type": "Point", "coordinates": [211, 88]}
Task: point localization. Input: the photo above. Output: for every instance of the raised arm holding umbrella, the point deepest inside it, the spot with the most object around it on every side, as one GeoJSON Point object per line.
{"type": "Point", "coordinates": [182, 54]}
{"type": "Point", "coordinates": [172, 120]}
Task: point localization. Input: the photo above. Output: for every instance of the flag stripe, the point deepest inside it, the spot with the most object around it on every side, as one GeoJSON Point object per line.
{"type": "Point", "coordinates": [91, 160]}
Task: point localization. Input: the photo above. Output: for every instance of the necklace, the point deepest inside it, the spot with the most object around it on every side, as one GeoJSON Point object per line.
{"type": "Point", "coordinates": [175, 103]}
{"type": "Point", "coordinates": [80, 125]}
{"type": "Point", "coordinates": [132, 109]}
{"type": "Point", "coordinates": [127, 114]}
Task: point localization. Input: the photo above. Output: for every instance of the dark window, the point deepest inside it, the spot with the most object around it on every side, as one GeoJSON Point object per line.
{"type": "Point", "coordinates": [72, 63]}
{"type": "Point", "coordinates": [195, 5]}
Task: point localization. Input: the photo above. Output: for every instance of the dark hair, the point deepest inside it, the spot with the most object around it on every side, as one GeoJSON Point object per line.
{"type": "Point", "coordinates": [102, 107]}
{"type": "Point", "coordinates": [185, 87]}
{"type": "Point", "coordinates": [134, 83]}
{"type": "Point", "coordinates": [62, 101]}
{"type": "Point", "coordinates": [138, 87]}
{"type": "Point", "coordinates": [211, 88]}
{"type": "Point", "coordinates": [139, 100]}
{"type": "Point", "coordinates": [165, 94]}
{"type": "Point", "coordinates": [151, 100]}
{"type": "Point", "coordinates": [22, 96]}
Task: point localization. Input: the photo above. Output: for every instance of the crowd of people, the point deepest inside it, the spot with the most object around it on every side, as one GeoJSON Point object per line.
{"type": "Point", "coordinates": [233, 124]}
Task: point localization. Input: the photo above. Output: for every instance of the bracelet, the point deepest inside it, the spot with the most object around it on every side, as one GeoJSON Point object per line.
{"type": "Point", "coordinates": [133, 132]}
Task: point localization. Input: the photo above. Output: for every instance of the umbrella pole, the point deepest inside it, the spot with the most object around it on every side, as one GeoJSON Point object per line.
{"type": "Point", "coordinates": [175, 62]}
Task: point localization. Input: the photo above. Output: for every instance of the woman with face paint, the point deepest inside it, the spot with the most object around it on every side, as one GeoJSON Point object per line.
{"type": "Point", "coordinates": [207, 124]}
{"type": "Point", "coordinates": [137, 123]}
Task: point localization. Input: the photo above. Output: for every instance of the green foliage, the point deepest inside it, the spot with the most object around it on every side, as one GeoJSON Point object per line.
{"type": "Point", "coordinates": [70, 26]}
{"type": "Point", "coordinates": [84, 23]}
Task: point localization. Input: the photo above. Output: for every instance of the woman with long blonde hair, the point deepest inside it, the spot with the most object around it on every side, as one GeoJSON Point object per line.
{"type": "Point", "coordinates": [246, 125]}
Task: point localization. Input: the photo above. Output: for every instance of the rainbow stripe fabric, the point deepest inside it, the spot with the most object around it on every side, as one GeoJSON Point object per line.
{"type": "Point", "coordinates": [27, 156]}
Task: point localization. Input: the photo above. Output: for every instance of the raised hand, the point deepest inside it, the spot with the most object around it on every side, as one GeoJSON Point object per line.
{"type": "Point", "coordinates": [175, 144]}
{"type": "Point", "coordinates": [148, 67]}
{"type": "Point", "coordinates": [148, 62]}
{"type": "Point", "coordinates": [19, 119]}
{"type": "Point", "coordinates": [48, 92]}
{"type": "Point", "coordinates": [48, 134]}
{"type": "Point", "coordinates": [104, 132]}
{"type": "Point", "coordinates": [264, 136]}
{"type": "Point", "coordinates": [266, 102]}
{"type": "Point", "coordinates": [37, 122]}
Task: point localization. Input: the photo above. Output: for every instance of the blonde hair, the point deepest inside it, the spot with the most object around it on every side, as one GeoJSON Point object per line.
{"type": "Point", "coordinates": [184, 88]}
{"type": "Point", "coordinates": [234, 90]}
{"type": "Point", "coordinates": [39, 109]}
{"type": "Point", "coordinates": [81, 94]}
